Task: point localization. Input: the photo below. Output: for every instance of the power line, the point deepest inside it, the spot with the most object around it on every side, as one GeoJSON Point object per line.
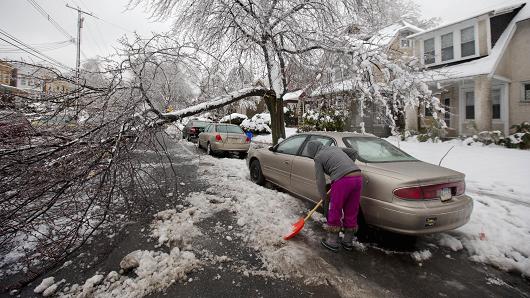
{"type": "Point", "coordinates": [43, 47]}
{"type": "Point", "coordinates": [50, 19]}
{"type": "Point", "coordinates": [30, 50]}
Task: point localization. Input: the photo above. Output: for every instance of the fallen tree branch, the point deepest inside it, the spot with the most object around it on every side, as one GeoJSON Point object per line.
{"type": "Point", "coordinates": [217, 102]}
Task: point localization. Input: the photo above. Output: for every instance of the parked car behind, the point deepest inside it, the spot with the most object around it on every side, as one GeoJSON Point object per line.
{"type": "Point", "coordinates": [193, 128]}
{"type": "Point", "coordinates": [400, 193]}
{"type": "Point", "coordinates": [225, 138]}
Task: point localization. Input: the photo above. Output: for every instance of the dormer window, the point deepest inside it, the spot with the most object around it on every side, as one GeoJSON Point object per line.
{"type": "Point", "coordinates": [467, 37]}
{"type": "Point", "coordinates": [447, 47]}
{"type": "Point", "coordinates": [428, 51]}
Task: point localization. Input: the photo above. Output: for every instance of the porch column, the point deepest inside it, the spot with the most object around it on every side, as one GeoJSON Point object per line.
{"type": "Point", "coordinates": [483, 107]}
{"type": "Point", "coordinates": [411, 118]}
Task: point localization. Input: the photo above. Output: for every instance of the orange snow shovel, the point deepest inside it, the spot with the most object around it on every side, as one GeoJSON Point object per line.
{"type": "Point", "coordinates": [299, 225]}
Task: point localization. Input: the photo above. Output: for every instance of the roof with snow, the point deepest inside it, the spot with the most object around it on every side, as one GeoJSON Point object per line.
{"type": "Point", "coordinates": [493, 11]}
{"type": "Point", "coordinates": [485, 65]}
{"type": "Point", "coordinates": [386, 35]}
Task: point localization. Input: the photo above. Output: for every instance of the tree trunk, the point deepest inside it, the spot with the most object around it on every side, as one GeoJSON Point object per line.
{"type": "Point", "coordinates": [275, 107]}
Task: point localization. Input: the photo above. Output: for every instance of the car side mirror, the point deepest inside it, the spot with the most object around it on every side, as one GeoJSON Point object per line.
{"type": "Point", "coordinates": [272, 149]}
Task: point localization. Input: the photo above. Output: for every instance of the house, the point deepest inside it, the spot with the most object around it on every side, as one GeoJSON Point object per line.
{"type": "Point", "coordinates": [337, 90]}
{"type": "Point", "coordinates": [6, 73]}
{"type": "Point", "coordinates": [479, 68]}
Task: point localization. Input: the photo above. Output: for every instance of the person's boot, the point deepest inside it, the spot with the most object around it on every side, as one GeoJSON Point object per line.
{"type": "Point", "coordinates": [347, 239]}
{"type": "Point", "coordinates": [331, 241]}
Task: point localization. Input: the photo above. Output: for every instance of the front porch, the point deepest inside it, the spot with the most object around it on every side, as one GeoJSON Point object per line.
{"type": "Point", "coordinates": [471, 106]}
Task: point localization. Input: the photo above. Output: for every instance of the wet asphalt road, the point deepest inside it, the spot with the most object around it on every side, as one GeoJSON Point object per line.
{"type": "Point", "coordinates": [386, 263]}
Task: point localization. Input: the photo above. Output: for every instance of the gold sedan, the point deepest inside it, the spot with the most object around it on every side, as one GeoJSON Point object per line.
{"type": "Point", "coordinates": [224, 138]}
{"type": "Point", "coordinates": [400, 193]}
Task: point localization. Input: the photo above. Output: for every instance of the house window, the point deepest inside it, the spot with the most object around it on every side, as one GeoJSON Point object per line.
{"type": "Point", "coordinates": [470, 104]}
{"type": "Point", "coordinates": [496, 103]}
{"type": "Point", "coordinates": [467, 38]}
{"type": "Point", "coordinates": [405, 43]}
{"type": "Point", "coordinates": [23, 82]}
{"type": "Point", "coordinates": [428, 51]}
{"type": "Point", "coordinates": [526, 91]}
{"type": "Point", "coordinates": [447, 47]}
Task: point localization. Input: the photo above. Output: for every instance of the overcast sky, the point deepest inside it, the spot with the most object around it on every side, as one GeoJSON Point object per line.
{"type": "Point", "coordinates": [20, 19]}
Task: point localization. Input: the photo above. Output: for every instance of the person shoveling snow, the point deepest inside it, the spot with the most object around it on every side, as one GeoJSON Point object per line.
{"type": "Point", "coordinates": [346, 184]}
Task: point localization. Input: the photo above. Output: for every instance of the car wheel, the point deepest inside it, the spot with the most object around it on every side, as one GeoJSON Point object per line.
{"type": "Point", "coordinates": [199, 144]}
{"type": "Point", "coordinates": [209, 150]}
{"type": "Point", "coordinates": [188, 138]}
{"type": "Point", "coordinates": [255, 173]}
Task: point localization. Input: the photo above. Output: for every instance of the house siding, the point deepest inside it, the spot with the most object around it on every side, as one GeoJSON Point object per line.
{"type": "Point", "coordinates": [515, 65]}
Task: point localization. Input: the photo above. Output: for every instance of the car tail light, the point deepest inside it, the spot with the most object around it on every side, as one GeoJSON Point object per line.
{"type": "Point", "coordinates": [429, 192]}
{"type": "Point", "coordinates": [193, 129]}
{"type": "Point", "coordinates": [218, 138]}
{"type": "Point", "coordinates": [247, 140]}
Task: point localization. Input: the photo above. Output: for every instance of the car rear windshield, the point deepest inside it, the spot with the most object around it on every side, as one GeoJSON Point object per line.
{"type": "Point", "coordinates": [373, 150]}
{"type": "Point", "coordinates": [200, 123]}
{"type": "Point", "coordinates": [229, 129]}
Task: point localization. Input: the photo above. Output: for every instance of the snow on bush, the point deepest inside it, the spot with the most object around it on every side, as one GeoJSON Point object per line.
{"type": "Point", "coordinates": [326, 119]}
{"type": "Point", "coordinates": [258, 124]}
{"type": "Point", "coordinates": [234, 118]}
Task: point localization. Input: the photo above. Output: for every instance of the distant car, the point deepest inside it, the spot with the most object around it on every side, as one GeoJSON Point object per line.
{"type": "Point", "coordinates": [193, 128]}
{"type": "Point", "coordinates": [400, 193]}
{"type": "Point", "coordinates": [218, 138]}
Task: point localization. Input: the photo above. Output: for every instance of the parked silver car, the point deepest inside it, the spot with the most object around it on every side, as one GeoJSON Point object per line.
{"type": "Point", "coordinates": [217, 138]}
{"type": "Point", "coordinates": [400, 193]}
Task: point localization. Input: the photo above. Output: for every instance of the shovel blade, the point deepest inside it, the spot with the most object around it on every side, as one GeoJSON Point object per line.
{"type": "Point", "coordinates": [295, 229]}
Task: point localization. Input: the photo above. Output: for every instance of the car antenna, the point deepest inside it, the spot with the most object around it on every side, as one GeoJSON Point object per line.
{"type": "Point", "coordinates": [445, 155]}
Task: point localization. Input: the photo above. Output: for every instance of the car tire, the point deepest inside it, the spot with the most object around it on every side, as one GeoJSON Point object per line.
{"type": "Point", "coordinates": [188, 138]}
{"type": "Point", "coordinates": [209, 150]}
{"type": "Point", "coordinates": [256, 175]}
{"type": "Point", "coordinates": [199, 144]}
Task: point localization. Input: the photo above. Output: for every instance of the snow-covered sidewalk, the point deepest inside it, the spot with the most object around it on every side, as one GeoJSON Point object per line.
{"type": "Point", "coordinates": [497, 179]}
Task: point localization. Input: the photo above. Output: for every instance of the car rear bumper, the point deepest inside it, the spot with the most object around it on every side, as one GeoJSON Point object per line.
{"type": "Point", "coordinates": [230, 147]}
{"type": "Point", "coordinates": [417, 221]}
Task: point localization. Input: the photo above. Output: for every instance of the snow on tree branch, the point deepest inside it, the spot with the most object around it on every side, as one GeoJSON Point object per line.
{"type": "Point", "coordinates": [215, 103]}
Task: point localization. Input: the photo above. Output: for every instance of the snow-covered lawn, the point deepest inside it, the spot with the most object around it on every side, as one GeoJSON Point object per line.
{"type": "Point", "coordinates": [498, 180]}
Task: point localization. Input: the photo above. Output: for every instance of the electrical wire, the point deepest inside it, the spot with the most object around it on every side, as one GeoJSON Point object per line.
{"type": "Point", "coordinates": [50, 19]}
{"type": "Point", "coordinates": [30, 50]}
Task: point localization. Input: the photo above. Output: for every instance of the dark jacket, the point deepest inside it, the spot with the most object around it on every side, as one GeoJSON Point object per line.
{"type": "Point", "coordinates": [333, 161]}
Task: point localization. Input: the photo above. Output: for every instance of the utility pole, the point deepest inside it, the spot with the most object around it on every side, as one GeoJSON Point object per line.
{"type": "Point", "coordinates": [80, 20]}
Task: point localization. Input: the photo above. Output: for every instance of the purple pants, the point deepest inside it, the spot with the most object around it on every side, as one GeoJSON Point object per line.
{"type": "Point", "coordinates": [345, 196]}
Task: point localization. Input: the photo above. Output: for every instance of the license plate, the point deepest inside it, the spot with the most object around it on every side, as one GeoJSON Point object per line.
{"type": "Point", "coordinates": [235, 140]}
{"type": "Point", "coordinates": [445, 194]}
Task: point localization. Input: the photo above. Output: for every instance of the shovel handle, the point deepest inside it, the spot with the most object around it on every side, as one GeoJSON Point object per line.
{"type": "Point", "coordinates": [313, 210]}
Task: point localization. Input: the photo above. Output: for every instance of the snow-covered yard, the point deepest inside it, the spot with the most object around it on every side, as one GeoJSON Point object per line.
{"type": "Point", "coordinates": [267, 138]}
{"type": "Point", "coordinates": [497, 179]}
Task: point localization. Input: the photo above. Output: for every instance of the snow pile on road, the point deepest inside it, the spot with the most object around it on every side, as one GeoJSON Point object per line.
{"type": "Point", "coordinates": [175, 229]}
{"type": "Point", "coordinates": [154, 270]}
{"type": "Point", "coordinates": [421, 256]}
{"type": "Point", "coordinates": [259, 123]}
{"type": "Point", "coordinates": [497, 179]}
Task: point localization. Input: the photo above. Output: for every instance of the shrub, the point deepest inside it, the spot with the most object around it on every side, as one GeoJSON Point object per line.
{"type": "Point", "coordinates": [290, 119]}
{"type": "Point", "coordinates": [234, 118]}
{"type": "Point", "coordinates": [258, 124]}
{"type": "Point", "coordinates": [328, 120]}
{"type": "Point", "coordinates": [521, 138]}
